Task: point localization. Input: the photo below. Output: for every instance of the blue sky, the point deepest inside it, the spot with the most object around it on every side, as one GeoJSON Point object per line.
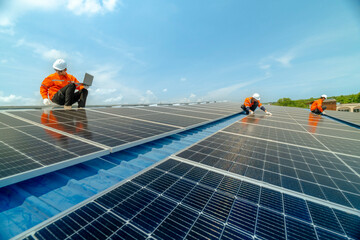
{"type": "Point", "coordinates": [179, 51]}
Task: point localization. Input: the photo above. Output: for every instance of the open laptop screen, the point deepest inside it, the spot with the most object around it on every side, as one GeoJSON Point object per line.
{"type": "Point", "coordinates": [88, 79]}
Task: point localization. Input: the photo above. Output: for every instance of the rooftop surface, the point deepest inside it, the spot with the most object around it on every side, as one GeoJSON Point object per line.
{"type": "Point", "coordinates": [293, 175]}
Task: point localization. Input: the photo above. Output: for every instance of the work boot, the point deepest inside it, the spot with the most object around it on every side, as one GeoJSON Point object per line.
{"type": "Point", "coordinates": [67, 107]}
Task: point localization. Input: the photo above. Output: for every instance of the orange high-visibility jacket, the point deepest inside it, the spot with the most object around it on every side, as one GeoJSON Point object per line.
{"type": "Point", "coordinates": [317, 104]}
{"type": "Point", "coordinates": [248, 102]}
{"type": "Point", "coordinates": [54, 82]}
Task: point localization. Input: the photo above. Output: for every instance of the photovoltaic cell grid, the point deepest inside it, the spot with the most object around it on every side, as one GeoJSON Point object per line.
{"type": "Point", "coordinates": [29, 148]}
{"type": "Point", "coordinates": [34, 142]}
{"type": "Point", "coordinates": [111, 131]}
{"type": "Point", "coordinates": [351, 117]}
{"type": "Point", "coordinates": [316, 173]}
{"type": "Point", "coordinates": [177, 200]}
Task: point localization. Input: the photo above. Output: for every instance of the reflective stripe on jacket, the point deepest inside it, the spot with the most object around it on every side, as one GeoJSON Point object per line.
{"type": "Point", "coordinates": [249, 103]}
{"type": "Point", "coordinates": [317, 104]}
{"type": "Point", "coordinates": [54, 82]}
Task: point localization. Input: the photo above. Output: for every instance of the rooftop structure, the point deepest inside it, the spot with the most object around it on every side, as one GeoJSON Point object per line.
{"type": "Point", "coordinates": [290, 175]}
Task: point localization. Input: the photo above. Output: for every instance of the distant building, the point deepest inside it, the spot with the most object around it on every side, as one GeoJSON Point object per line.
{"type": "Point", "coordinates": [348, 107]}
{"type": "Point", "coordinates": [330, 104]}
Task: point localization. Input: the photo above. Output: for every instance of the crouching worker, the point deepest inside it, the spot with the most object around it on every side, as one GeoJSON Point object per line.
{"type": "Point", "coordinates": [60, 87]}
{"type": "Point", "coordinates": [251, 103]}
{"type": "Point", "coordinates": [317, 107]}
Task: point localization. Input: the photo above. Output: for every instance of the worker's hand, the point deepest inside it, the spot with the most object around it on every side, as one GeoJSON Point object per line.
{"type": "Point", "coordinates": [46, 101]}
{"type": "Point", "coordinates": [251, 112]}
{"type": "Point", "coordinates": [268, 113]}
{"type": "Point", "coordinates": [323, 112]}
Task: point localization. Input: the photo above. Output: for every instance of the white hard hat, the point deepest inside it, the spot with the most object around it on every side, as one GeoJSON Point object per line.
{"type": "Point", "coordinates": [324, 96]}
{"type": "Point", "coordinates": [59, 64]}
{"type": "Point", "coordinates": [256, 96]}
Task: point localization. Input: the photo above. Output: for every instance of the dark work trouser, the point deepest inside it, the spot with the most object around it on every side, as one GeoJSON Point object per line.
{"type": "Point", "coordinates": [252, 108]}
{"type": "Point", "coordinates": [317, 111]}
{"type": "Point", "coordinates": [67, 96]}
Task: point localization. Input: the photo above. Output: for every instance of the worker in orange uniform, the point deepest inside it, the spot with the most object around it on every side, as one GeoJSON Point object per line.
{"type": "Point", "coordinates": [317, 107]}
{"type": "Point", "coordinates": [60, 87]}
{"type": "Point", "coordinates": [251, 103]}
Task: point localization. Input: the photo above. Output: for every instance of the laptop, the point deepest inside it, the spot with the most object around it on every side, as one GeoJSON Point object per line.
{"type": "Point", "coordinates": [88, 79]}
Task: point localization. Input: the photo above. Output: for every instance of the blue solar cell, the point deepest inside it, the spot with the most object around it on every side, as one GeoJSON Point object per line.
{"type": "Point", "coordinates": [336, 196]}
{"type": "Point", "coordinates": [272, 167]}
{"type": "Point", "coordinates": [305, 175]}
{"type": "Point", "coordinates": [150, 217]}
{"type": "Point", "coordinates": [179, 190]}
{"type": "Point", "coordinates": [230, 233]}
{"type": "Point", "coordinates": [181, 169]}
{"type": "Point", "coordinates": [291, 183]}
{"type": "Point", "coordinates": [249, 192]}
{"type": "Point", "coordinates": [148, 177]}
{"type": "Point", "coordinates": [198, 197]}
{"type": "Point", "coordinates": [167, 165]}
{"type": "Point", "coordinates": [350, 223]}
{"type": "Point", "coordinates": [272, 178]}
{"type": "Point", "coordinates": [196, 174]}
{"type": "Point", "coordinates": [324, 217]}
{"type": "Point", "coordinates": [312, 190]}
{"type": "Point", "coordinates": [229, 185]}
{"type": "Point", "coordinates": [327, 235]}
{"type": "Point", "coordinates": [205, 228]}
{"type": "Point", "coordinates": [219, 206]}
{"type": "Point", "coordinates": [346, 186]}
{"type": "Point", "coordinates": [223, 164]}
{"type": "Point", "coordinates": [296, 207]}
{"type": "Point", "coordinates": [243, 216]}
{"type": "Point", "coordinates": [212, 179]}
{"type": "Point", "coordinates": [287, 171]}
{"type": "Point", "coordinates": [354, 199]}
{"type": "Point", "coordinates": [163, 183]}
{"type": "Point", "coordinates": [131, 206]}
{"type": "Point", "coordinates": [209, 160]}
{"type": "Point", "coordinates": [177, 224]}
{"type": "Point", "coordinates": [187, 154]}
{"type": "Point", "coordinates": [128, 232]}
{"type": "Point", "coordinates": [254, 173]}
{"type": "Point", "coordinates": [271, 199]}
{"type": "Point", "coordinates": [117, 195]}
{"type": "Point", "coordinates": [324, 180]}
{"type": "Point", "coordinates": [238, 169]}
{"type": "Point", "coordinates": [297, 230]}
{"type": "Point", "coordinates": [270, 225]}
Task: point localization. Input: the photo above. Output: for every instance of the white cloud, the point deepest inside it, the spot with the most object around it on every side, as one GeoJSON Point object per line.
{"type": "Point", "coordinates": [10, 11]}
{"type": "Point", "coordinates": [149, 97]}
{"type": "Point", "coordinates": [43, 51]}
{"type": "Point", "coordinates": [285, 60]}
{"type": "Point", "coordinates": [14, 100]}
{"type": "Point", "coordinates": [103, 91]}
{"type": "Point", "coordinates": [266, 66]}
{"type": "Point", "coordinates": [114, 100]}
{"type": "Point", "coordinates": [164, 90]}
{"type": "Point", "coordinates": [3, 61]}
{"type": "Point", "coordinates": [183, 79]}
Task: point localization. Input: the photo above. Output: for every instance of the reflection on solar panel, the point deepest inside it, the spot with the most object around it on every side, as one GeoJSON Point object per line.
{"type": "Point", "coordinates": [37, 142]}
{"type": "Point", "coordinates": [256, 179]}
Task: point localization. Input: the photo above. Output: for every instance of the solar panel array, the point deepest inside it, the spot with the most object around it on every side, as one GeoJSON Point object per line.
{"type": "Point", "coordinates": [351, 117]}
{"type": "Point", "coordinates": [36, 142]}
{"type": "Point", "coordinates": [255, 179]}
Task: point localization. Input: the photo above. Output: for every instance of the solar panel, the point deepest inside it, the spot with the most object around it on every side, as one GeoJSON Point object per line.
{"type": "Point", "coordinates": [146, 207]}
{"type": "Point", "coordinates": [35, 142]}
{"type": "Point", "coordinates": [29, 151]}
{"type": "Point", "coordinates": [351, 117]}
